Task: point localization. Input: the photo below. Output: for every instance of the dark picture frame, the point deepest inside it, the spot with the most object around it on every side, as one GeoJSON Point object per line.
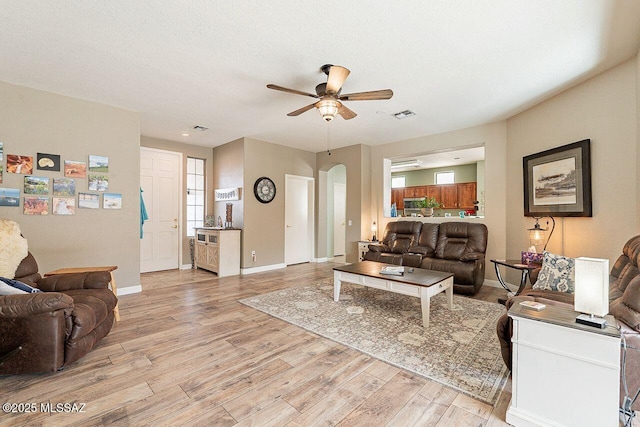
{"type": "Point", "coordinates": [557, 182]}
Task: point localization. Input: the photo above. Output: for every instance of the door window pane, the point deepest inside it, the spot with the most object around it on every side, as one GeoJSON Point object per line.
{"type": "Point", "coordinates": [195, 194]}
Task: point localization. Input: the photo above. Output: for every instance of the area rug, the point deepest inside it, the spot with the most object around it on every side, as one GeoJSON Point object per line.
{"type": "Point", "coordinates": [460, 348]}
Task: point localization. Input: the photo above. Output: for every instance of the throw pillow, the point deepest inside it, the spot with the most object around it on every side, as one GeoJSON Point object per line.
{"type": "Point", "coordinates": [16, 285]}
{"type": "Point", "coordinates": [557, 274]}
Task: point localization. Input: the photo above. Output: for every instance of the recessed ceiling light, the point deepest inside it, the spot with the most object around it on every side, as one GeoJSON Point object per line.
{"type": "Point", "coordinates": [404, 114]}
{"type": "Point", "coordinates": [184, 134]}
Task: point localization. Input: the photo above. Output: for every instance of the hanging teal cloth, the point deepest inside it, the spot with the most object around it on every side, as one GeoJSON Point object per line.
{"type": "Point", "coordinates": [143, 213]}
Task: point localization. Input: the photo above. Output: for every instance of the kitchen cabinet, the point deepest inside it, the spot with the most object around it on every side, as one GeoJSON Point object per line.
{"type": "Point", "coordinates": [434, 191]}
{"type": "Point", "coordinates": [397, 197]}
{"type": "Point", "coordinates": [410, 192]}
{"type": "Point", "coordinates": [449, 196]}
{"type": "Point", "coordinates": [467, 195]}
{"type": "Point", "coordinates": [218, 250]}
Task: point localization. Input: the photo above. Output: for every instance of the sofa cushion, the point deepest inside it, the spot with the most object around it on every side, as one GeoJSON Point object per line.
{"type": "Point", "coordinates": [461, 241]}
{"type": "Point", "coordinates": [557, 273]}
{"type": "Point", "coordinates": [427, 241]}
{"type": "Point", "coordinates": [400, 246]}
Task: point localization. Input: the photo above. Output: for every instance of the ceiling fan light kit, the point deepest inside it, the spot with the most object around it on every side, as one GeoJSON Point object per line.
{"type": "Point", "coordinates": [329, 95]}
{"type": "Point", "coordinates": [328, 108]}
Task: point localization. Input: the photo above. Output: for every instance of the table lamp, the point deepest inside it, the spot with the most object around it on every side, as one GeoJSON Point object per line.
{"type": "Point", "coordinates": [374, 229]}
{"type": "Point", "coordinates": [592, 291]}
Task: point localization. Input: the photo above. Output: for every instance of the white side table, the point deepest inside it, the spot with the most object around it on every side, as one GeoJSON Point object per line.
{"type": "Point", "coordinates": [564, 373]}
{"type": "Point", "coordinates": [363, 247]}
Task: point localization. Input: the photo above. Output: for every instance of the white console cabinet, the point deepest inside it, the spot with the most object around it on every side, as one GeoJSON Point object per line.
{"type": "Point", "coordinates": [218, 250]}
{"type": "Point", "coordinates": [564, 373]}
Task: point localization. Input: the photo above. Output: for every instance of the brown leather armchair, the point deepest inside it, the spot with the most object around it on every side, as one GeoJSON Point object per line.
{"type": "Point", "coordinates": [624, 305]}
{"type": "Point", "coordinates": [43, 331]}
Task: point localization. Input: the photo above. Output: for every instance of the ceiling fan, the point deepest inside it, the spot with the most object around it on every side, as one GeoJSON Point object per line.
{"type": "Point", "coordinates": [330, 97]}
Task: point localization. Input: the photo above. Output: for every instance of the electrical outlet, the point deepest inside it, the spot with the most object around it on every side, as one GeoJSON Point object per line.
{"type": "Point", "coordinates": [253, 256]}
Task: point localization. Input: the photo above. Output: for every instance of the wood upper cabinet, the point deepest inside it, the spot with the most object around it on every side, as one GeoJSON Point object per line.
{"type": "Point", "coordinates": [467, 194]}
{"type": "Point", "coordinates": [397, 197]}
{"type": "Point", "coordinates": [410, 192]}
{"type": "Point", "coordinates": [434, 191]}
{"type": "Point", "coordinates": [449, 196]}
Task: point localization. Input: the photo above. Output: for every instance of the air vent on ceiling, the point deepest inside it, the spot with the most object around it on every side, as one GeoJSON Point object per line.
{"type": "Point", "coordinates": [200, 128]}
{"type": "Point", "coordinates": [404, 114]}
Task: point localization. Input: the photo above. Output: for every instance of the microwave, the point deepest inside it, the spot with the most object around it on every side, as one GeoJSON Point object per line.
{"type": "Point", "coordinates": [412, 203]}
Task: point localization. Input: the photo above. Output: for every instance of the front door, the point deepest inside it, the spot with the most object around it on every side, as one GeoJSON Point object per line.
{"type": "Point", "coordinates": [160, 183]}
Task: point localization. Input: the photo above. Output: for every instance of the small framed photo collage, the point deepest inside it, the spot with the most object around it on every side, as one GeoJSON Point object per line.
{"type": "Point", "coordinates": [62, 193]}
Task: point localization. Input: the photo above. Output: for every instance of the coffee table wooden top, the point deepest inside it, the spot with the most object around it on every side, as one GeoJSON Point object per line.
{"type": "Point", "coordinates": [418, 277]}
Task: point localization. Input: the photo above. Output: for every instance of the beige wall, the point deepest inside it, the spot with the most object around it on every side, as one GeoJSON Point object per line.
{"type": "Point", "coordinates": [494, 138]}
{"type": "Point", "coordinates": [34, 121]}
{"type": "Point", "coordinates": [638, 135]}
{"type": "Point", "coordinates": [357, 160]}
{"type": "Point", "coordinates": [604, 110]}
{"type": "Point", "coordinates": [187, 150]}
{"type": "Point", "coordinates": [228, 172]}
{"type": "Point", "coordinates": [262, 224]}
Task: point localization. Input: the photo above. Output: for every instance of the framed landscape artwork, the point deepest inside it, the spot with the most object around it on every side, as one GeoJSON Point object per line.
{"type": "Point", "coordinates": [557, 182]}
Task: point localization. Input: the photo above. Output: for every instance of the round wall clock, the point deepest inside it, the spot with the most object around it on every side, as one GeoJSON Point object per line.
{"type": "Point", "coordinates": [264, 189]}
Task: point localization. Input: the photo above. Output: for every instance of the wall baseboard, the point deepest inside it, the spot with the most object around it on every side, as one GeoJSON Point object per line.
{"type": "Point", "coordinates": [185, 267]}
{"type": "Point", "coordinates": [129, 290]}
{"type": "Point", "coordinates": [252, 270]}
{"type": "Point", "coordinates": [318, 260]}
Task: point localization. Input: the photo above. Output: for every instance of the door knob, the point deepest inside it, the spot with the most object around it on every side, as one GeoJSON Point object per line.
{"type": "Point", "coordinates": [174, 226]}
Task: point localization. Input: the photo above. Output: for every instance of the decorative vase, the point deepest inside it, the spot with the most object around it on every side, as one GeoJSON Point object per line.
{"type": "Point", "coordinates": [427, 211]}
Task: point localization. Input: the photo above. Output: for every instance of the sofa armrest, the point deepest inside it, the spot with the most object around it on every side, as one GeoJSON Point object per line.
{"type": "Point", "coordinates": [472, 256]}
{"type": "Point", "coordinates": [71, 281]}
{"type": "Point", "coordinates": [422, 250]}
{"type": "Point", "coordinates": [379, 247]}
{"type": "Point", "coordinates": [26, 305]}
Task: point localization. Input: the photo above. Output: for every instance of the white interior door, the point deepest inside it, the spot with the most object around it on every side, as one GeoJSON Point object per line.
{"type": "Point", "coordinates": [160, 173]}
{"type": "Point", "coordinates": [298, 219]}
{"type": "Point", "coordinates": [339, 217]}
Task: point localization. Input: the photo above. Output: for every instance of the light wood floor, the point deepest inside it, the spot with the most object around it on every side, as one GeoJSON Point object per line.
{"type": "Point", "coordinates": [187, 353]}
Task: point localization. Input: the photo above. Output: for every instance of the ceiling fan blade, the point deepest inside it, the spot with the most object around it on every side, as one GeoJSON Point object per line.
{"type": "Point", "coordinates": [284, 89]}
{"type": "Point", "coordinates": [346, 113]}
{"type": "Point", "coordinates": [337, 76]}
{"type": "Point", "coordinates": [367, 96]}
{"type": "Point", "coordinates": [301, 110]}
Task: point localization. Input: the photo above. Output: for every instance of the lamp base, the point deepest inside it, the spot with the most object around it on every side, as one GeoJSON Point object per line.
{"type": "Point", "coordinates": [593, 321]}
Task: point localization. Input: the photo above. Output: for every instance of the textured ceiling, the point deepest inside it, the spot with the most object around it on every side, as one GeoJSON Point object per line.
{"type": "Point", "coordinates": [182, 63]}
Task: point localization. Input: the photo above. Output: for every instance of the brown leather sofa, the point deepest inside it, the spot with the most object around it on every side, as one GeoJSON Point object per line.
{"type": "Point", "coordinates": [453, 247]}
{"type": "Point", "coordinates": [624, 305]}
{"type": "Point", "coordinates": [43, 331]}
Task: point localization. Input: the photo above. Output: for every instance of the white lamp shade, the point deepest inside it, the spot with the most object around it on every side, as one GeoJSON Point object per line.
{"type": "Point", "coordinates": [592, 286]}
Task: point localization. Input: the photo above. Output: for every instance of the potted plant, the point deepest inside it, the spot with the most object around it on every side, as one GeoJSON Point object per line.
{"type": "Point", "coordinates": [427, 205]}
